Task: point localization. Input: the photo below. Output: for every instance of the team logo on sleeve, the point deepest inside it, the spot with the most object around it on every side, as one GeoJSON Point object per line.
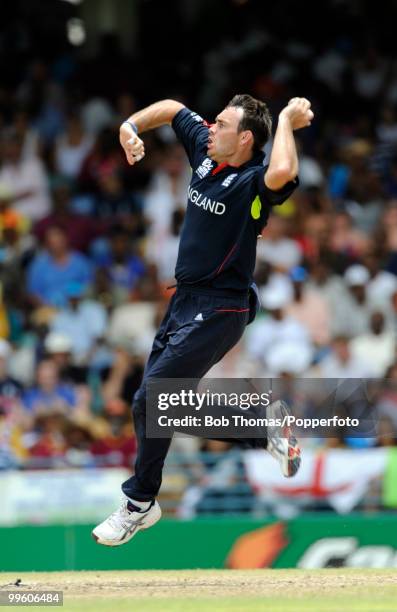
{"type": "Point", "coordinates": [204, 168]}
{"type": "Point", "coordinates": [196, 117]}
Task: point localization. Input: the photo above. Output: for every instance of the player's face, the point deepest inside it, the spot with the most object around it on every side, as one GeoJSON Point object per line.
{"type": "Point", "coordinates": [224, 139]}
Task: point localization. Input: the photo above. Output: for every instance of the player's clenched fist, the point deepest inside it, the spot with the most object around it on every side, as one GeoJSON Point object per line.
{"type": "Point", "coordinates": [298, 112]}
{"type": "Point", "coordinates": [133, 146]}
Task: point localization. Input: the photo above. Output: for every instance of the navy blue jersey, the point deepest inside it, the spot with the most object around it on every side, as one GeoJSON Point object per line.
{"type": "Point", "coordinates": [227, 209]}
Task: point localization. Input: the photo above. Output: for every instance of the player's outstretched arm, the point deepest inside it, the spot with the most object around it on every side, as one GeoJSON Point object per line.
{"type": "Point", "coordinates": [153, 116]}
{"type": "Point", "coordinates": [283, 166]}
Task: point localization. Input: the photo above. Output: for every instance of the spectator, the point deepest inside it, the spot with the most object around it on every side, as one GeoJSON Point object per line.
{"type": "Point", "coordinates": [78, 441]}
{"type": "Point", "coordinates": [71, 148]}
{"type": "Point", "coordinates": [96, 115]}
{"type": "Point", "coordinates": [48, 444]}
{"type": "Point", "coordinates": [50, 394]}
{"type": "Point", "coordinates": [10, 219]}
{"type": "Point", "coordinates": [289, 359]}
{"type": "Point", "coordinates": [309, 308]}
{"type": "Point", "coordinates": [16, 243]}
{"type": "Point", "coordinates": [13, 451]}
{"type": "Point", "coordinates": [165, 258]}
{"type": "Point", "coordinates": [58, 348]}
{"type": "Point", "coordinates": [369, 76]}
{"type": "Point", "coordinates": [277, 328]}
{"type": "Point", "coordinates": [124, 376]}
{"type": "Point", "coordinates": [123, 267]}
{"type": "Point", "coordinates": [387, 432]}
{"type": "Point", "coordinates": [125, 107]}
{"type": "Point", "coordinates": [115, 204]}
{"type": "Point", "coordinates": [21, 124]}
{"type": "Point", "coordinates": [115, 446]}
{"type": "Point", "coordinates": [345, 238]}
{"type": "Point", "coordinates": [276, 247]}
{"type": "Point", "coordinates": [356, 309]}
{"type": "Point", "coordinates": [341, 363]}
{"type": "Point", "coordinates": [382, 284]}
{"type": "Point", "coordinates": [10, 389]}
{"type": "Point", "coordinates": [82, 321]}
{"type": "Point", "coordinates": [310, 172]}
{"type": "Point", "coordinates": [133, 322]}
{"type": "Point", "coordinates": [53, 269]}
{"type": "Point", "coordinates": [385, 236]}
{"type": "Point", "coordinates": [26, 178]}
{"type": "Point", "coordinates": [105, 154]}
{"type": "Point", "coordinates": [378, 344]}
{"type": "Point", "coordinates": [364, 191]}
{"type": "Point", "coordinates": [331, 288]}
{"type": "Point", "coordinates": [79, 229]}
{"type": "Point", "coordinates": [166, 193]}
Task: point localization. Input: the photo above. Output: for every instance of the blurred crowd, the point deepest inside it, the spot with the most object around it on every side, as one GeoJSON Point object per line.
{"type": "Point", "coordinates": [88, 245]}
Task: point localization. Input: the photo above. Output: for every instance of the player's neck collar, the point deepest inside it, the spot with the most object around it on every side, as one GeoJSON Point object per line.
{"type": "Point", "coordinates": [256, 160]}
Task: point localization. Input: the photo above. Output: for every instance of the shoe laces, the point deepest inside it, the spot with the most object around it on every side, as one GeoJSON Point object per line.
{"type": "Point", "coordinates": [121, 517]}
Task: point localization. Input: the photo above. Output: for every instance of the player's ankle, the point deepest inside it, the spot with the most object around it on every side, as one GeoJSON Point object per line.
{"type": "Point", "coordinates": [142, 506]}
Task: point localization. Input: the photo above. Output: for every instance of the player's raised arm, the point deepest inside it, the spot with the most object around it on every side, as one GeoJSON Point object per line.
{"type": "Point", "coordinates": [283, 166]}
{"type": "Point", "coordinates": [153, 116]}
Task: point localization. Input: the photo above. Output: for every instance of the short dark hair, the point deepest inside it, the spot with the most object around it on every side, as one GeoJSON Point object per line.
{"type": "Point", "coordinates": [256, 118]}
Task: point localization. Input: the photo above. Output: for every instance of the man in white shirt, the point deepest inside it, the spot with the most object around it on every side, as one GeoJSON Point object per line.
{"type": "Point", "coordinates": [26, 178]}
{"type": "Point", "coordinates": [377, 345]}
{"type": "Point", "coordinates": [276, 329]}
{"type": "Point", "coordinates": [341, 363]}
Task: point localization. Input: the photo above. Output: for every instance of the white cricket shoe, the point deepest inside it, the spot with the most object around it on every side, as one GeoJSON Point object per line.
{"type": "Point", "coordinates": [281, 443]}
{"type": "Point", "coordinates": [123, 524]}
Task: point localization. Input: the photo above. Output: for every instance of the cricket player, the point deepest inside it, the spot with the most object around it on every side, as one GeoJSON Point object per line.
{"type": "Point", "coordinates": [230, 196]}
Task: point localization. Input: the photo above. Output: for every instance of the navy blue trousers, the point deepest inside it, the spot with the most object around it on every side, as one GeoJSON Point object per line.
{"type": "Point", "coordinates": [183, 348]}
